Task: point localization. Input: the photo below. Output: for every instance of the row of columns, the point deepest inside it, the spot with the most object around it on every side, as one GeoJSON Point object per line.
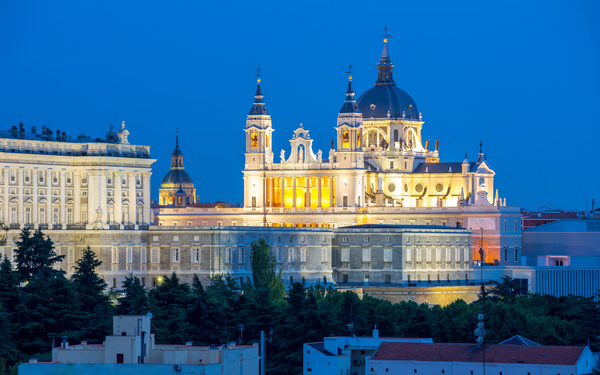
{"type": "Point", "coordinates": [270, 187]}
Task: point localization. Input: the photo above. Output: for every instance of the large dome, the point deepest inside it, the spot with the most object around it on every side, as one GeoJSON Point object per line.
{"type": "Point", "coordinates": [378, 100]}
{"type": "Point", "coordinates": [177, 176]}
{"type": "Point", "coordinates": [385, 98]}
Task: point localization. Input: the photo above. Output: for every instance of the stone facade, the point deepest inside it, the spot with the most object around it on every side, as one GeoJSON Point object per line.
{"type": "Point", "coordinates": [59, 182]}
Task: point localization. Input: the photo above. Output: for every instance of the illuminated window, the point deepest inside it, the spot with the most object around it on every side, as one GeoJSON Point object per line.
{"type": "Point", "coordinates": [254, 140]}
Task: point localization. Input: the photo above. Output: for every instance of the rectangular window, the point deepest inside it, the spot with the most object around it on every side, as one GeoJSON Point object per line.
{"type": "Point", "coordinates": [303, 254]}
{"type": "Point", "coordinates": [366, 254]}
{"type": "Point", "coordinates": [516, 225]}
{"type": "Point", "coordinates": [115, 255]}
{"type": "Point", "coordinates": [456, 254]}
{"type": "Point", "coordinates": [154, 258]}
{"type": "Point", "coordinates": [196, 255]}
{"type": "Point", "coordinates": [516, 254]}
{"type": "Point", "coordinates": [278, 254]}
{"type": "Point", "coordinates": [129, 256]}
{"type": "Point", "coordinates": [291, 254]}
{"type": "Point", "coordinates": [241, 255]}
{"type": "Point", "coordinates": [505, 225]}
{"type": "Point", "coordinates": [506, 254]}
{"type": "Point", "coordinates": [143, 255]}
{"type": "Point", "coordinates": [438, 254]}
{"type": "Point", "coordinates": [345, 278]}
{"type": "Point", "coordinates": [175, 255]}
{"type": "Point", "coordinates": [345, 201]}
{"type": "Point", "coordinates": [387, 254]}
{"type": "Point", "coordinates": [324, 254]}
{"type": "Point", "coordinates": [408, 254]}
{"type": "Point", "coordinates": [466, 255]}
{"type": "Point", "coordinates": [391, 165]}
{"type": "Point", "coordinates": [419, 254]}
{"type": "Point", "coordinates": [428, 254]}
{"type": "Point", "coordinates": [448, 254]}
{"type": "Point", "coordinates": [345, 254]}
{"type": "Point", "coordinates": [228, 255]}
{"type": "Point", "coordinates": [71, 255]}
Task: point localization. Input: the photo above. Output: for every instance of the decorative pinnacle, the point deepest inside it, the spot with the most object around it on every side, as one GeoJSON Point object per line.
{"type": "Point", "coordinates": [385, 35]}
{"type": "Point", "coordinates": [258, 70]}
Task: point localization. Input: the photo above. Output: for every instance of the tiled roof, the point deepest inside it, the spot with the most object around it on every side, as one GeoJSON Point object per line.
{"type": "Point", "coordinates": [543, 355]}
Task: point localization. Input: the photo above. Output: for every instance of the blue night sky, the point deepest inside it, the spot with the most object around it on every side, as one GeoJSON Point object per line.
{"type": "Point", "coordinates": [523, 77]}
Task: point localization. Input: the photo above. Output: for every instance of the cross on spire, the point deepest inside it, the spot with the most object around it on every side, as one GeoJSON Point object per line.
{"type": "Point", "coordinates": [258, 70]}
{"type": "Point", "coordinates": [385, 35]}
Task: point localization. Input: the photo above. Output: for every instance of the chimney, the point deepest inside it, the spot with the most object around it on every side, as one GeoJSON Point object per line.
{"type": "Point", "coordinates": [376, 333]}
{"type": "Point", "coordinates": [65, 343]}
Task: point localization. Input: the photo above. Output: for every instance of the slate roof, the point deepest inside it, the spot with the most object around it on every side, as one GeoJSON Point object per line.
{"type": "Point", "coordinates": [534, 354]}
{"type": "Point", "coordinates": [441, 167]}
{"type": "Point", "coordinates": [320, 346]}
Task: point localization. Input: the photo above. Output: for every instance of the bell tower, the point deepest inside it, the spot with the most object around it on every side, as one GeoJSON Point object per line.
{"type": "Point", "coordinates": [349, 132]}
{"type": "Point", "coordinates": [259, 151]}
{"type": "Point", "coordinates": [258, 133]}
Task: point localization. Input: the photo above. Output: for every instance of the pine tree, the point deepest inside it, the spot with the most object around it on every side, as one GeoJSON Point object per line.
{"type": "Point", "coordinates": [88, 285]}
{"type": "Point", "coordinates": [35, 255]}
{"type": "Point", "coordinates": [135, 301]}
{"type": "Point", "coordinates": [9, 287]}
{"type": "Point", "coordinates": [264, 270]}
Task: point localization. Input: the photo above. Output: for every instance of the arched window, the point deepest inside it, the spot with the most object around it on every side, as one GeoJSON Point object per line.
{"type": "Point", "coordinates": [396, 135]}
{"type": "Point", "coordinates": [254, 140]}
{"type": "Point", "coordinates": [345, 139]}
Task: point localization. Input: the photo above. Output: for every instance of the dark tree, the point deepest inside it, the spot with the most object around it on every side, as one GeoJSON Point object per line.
{"type": "Point", "coordinates": [135, 301]}
{"type": "Point", "coordinates": [35, 255]}
{"type": "Point", "coordinates": [90, 287]}
{"type": "Point", "coordinates": [265, 274]}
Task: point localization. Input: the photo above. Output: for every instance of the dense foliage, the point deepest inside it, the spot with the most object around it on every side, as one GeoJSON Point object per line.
{"type": "Point", "coordinates": [37, 303]}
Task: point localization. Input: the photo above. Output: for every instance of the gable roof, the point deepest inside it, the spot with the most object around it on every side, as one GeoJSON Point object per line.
{"type": "Point", "coordinates": [518, 340]}
{"type": "Point", "coordinates": [534, 354]}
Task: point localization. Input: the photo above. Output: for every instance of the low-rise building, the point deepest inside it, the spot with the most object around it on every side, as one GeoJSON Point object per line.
{"type": "Point", "coordinates": [131, 349]}
{"type": "Point", "coordinates": [502, 359]}
{"type": "Point", "coordinates": [345, 355]}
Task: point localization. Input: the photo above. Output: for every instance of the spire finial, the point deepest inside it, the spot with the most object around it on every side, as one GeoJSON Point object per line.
{"type": "Point", "coordinates": [481, 147]}
{"type": "Point", "coordinates": [350, 71]}
{"type": "Point", "coordinates": [385, 35]}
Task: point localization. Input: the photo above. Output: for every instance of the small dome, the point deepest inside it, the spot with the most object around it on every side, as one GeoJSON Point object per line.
{"type": "Point", "coordinates": [378, 100]}
{"type": "Point", "coordinates": [177, 176]}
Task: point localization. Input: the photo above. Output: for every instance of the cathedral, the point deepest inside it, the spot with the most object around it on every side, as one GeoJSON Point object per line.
{"type": "Point", "coordinates": [379, 170]}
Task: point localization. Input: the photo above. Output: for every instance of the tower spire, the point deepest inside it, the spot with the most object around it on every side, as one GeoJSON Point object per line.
{"type": "Point", "coordinates": [177, 155]}
{"type": "Point", "coordinates": [350, 105]}
{"type": "Point", "coordinates": [385, 65]}
{"type": "Point", "coordinates": [258, 108]}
